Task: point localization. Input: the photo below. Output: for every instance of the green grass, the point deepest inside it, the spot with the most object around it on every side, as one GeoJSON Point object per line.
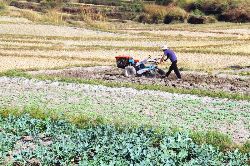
{"type": "Point", "coordinates": [3, 8]}
{"type": "Point", "coordinates": [219, 94]}
{"type": "Point", "coordinates": [245, 148]}
{"type": "Point", "coordinates": [245, 73]}
{"type": "Point", "coordinates": [220, 140]}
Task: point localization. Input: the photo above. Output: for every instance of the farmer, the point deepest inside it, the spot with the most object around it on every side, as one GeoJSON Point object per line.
{"type": "Point", "coordinates": [171, 55]}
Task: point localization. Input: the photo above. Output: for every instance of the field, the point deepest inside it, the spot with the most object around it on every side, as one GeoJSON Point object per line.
{"type": "Point", "coordinates": [65, 76]}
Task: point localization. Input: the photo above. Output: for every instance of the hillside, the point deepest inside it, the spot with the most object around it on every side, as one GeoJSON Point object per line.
{"type": "Point", "coordinates": [152, 12]}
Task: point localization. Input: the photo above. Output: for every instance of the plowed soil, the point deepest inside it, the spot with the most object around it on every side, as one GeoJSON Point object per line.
{"type": "Point", "coordinates": [190, 80]}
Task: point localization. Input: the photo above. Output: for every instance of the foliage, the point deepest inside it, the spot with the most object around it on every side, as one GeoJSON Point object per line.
{"type": "Point", "coordinates": [155, 10]}
{"type": "Point", "coordinates": [245, 148]}
{"type": "Point", "coordinates": [50, 4]}
{"type": "Point", "coordinates": [214, 138]}
{"type": "Point", "coordinates": [164, 2]}
{"type": "Point", "coordinates": [135, 6]}
{"type": "Point", "coordinates": [2, 6]}
{"type": "Point", "coordinates": [194, 19]}
{"type": "Point", "coordinates": [240, 14]}
{"type": "Point", "coordinates": [26, 5]}
{"type": "Point", "coordinates": [144, 18]}
{"type": "Point", "coordinates": [225, 10]}
{"type": "Point", "coordinates": [197, 12]}
{"type": "Point", "coordinates": [175, 14]}
{"type": "Point", "coordinates": [102, 2]}
{"type": "Point", "coordinates": [166, 14]}
{"type": "Point", "coordinates": [61, 143]}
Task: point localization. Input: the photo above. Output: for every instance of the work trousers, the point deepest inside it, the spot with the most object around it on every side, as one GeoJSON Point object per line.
{"type": "Point", "coordinates": [175, 68]}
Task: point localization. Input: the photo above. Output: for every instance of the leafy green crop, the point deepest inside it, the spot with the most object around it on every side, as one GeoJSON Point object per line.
{"type": "Point", "coordinates": [25, 140]}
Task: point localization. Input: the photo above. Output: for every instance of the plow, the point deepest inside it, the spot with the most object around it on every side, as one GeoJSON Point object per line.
{"type": "Point", "coordinates": [136, 68]}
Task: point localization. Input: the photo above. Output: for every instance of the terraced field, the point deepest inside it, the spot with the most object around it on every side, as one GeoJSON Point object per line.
{"type": "Point", "coordinates": [213, 95]}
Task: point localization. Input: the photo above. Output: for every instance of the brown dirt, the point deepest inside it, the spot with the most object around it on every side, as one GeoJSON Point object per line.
{"type": "Point", "coordinates": [190, 80]}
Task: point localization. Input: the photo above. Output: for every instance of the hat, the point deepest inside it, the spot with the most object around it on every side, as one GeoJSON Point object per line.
{"type": "Point", "coordinates": [165, 47]}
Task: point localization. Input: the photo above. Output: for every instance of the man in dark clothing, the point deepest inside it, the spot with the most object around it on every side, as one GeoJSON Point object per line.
{"type": "Point", "coordinates": [171, 55]}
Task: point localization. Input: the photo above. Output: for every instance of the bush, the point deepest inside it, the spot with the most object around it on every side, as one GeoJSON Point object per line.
{"type": "Point", "coordinates": [144, 18]}
{"type": "Point", "coordinates": [211, 19]}
{"type": "Point", "coordinates": [49, 4]}
{"type": "Point", "coordinates": [170, 19]}
{"type": "Point", "coordinates": [189, 7]}
{"type": "Point", "coordinates": [197, 12]}
{"type": "Point", "coordinates": [115, 15]}
{"type": "Point", "coordinates": [71, 10]}
{"type": "Point", "coordinates": [103, 2]}
{"type": "Point", "coordinates": [36, 1]}
{"type": "Point", "coordinates": [200, 19]}
{"type": "Point", "coordinates": [150, 19]}
{"type": "Point", "coordinates": [2, 6]}
{"type": "Point", "coordinates": [92, 13]}
{"type": "Point", "coordinates": [184, 3]}
{"type": "Point", "coordinates": [245, 147]}
{"type": "Point", "coordinates": [196, 19]}
{"type": "Point", "coordinates": [155, 10]}
{"type": "Point", "coordinates": [175, 14]}
{"type": "Point", "coordinates": [26, 5]}
{"type": "Point", "coordinates": [165, 14]}
{"type": "Point", "coordinates": [164, 2]}
{"type": "Point", "coordinates": [235, 15]}
{"type": "Point", "coordinates": [214, 7]}
{"type": "Point", "coordinates": [135, 6]}
{"type": "Point", "coordinates": [155, 19]}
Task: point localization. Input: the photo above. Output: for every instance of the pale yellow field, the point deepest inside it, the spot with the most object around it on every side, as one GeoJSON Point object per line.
{"type": "Point", "coordinates": [28, 45]}
{"type": "Point", "coordinates": [34, 63]}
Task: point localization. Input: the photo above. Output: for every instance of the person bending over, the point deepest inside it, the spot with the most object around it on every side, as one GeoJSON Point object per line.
{"type": "Point", "coordinates": [173, 58]}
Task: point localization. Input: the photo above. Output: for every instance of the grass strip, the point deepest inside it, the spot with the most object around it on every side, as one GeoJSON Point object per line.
{"type": "Point", "coordinates": [198, 92]}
